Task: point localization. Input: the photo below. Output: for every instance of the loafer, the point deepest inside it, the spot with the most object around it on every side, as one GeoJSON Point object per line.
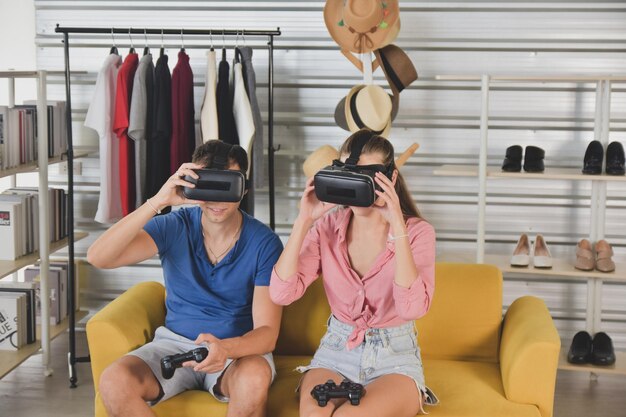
{"type": "Point", "coordinates": [512, 159]}
{"type": "Point", "coordinates": [533, 159]}
{"type": "Point", "coordinates": [585, 259]}
{"type": "Point", "coordinates": [521, 254]}
{"type": "Point", "coordinates": [594, 155]}
{"type": "Point", "coordinates": [541, 254]}
{"type": "Point", "coordinates": [604, 253]}
{"type": "Point", "coordinates": [602, 352]}
{"type": "Point", "coordinates": [615, 159]}
{"type": "Point", "coordinates": [580, 349]}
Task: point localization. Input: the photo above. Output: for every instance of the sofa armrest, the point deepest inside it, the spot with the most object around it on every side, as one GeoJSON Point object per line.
{"type": "Point", "coordinates": [529, 354]}
{"type": "Point", "coordinates": [123, 325]}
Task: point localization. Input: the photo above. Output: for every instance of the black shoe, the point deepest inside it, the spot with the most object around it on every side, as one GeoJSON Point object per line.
{"type": "Point", "coordinates": [593, 158]}
{"type": "Point", "coordinates": [533, 160]}
{"type": "Point", "coordinates": [513, 159]}
{"type": "Point", "coordinates": [602, 352]}
{"type": "Point", "coordinates": [580, 350]}
{"type": "Point", "coordinates": [615, 159]}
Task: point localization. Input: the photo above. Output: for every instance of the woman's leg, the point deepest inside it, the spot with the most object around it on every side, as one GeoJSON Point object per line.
{"type": "Point", "coordinates": [308, 404]}
{"type": "Point", "coordinates": [391, 395]}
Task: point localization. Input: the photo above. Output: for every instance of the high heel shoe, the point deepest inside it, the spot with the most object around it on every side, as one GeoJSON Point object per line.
{"type": "Point", "coordinates": [541, 254]}
{"type": "Point", "coordinates": [521, 254]}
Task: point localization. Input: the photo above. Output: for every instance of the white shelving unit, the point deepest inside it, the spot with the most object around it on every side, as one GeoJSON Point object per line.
{"type": "Point", "coordinates": [562, 269]}
{"type": "Point", "coordinates": [10, 359]}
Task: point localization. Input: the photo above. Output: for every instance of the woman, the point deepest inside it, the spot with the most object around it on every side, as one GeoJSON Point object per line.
{"type": "Point", "coordinates": [378, 266]}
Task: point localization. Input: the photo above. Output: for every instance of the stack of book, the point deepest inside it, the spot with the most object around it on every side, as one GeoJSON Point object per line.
{"type": "Point", "coordinates": [18, 133]}
{"type": "Point", "coordinates": [20, 304]}
{"type": "Point", "coordinates": [19, 220]}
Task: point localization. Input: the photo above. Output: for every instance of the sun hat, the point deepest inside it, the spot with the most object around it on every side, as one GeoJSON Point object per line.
{"type": "Point", "coordinates": [318, 159]}
{"type": "Point", "coordinates": [368, 106]}
{"type": "Point", "coordinates": [362, 25]}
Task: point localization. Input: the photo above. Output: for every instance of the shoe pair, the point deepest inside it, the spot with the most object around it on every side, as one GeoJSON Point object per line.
{"type": "Point", "coordinates": [614, 159]}
{"type": "Point", "coordinates": [541, 254]}
{"type": "Point", "coordinates": [598, 351]}
{"type": "Point", "coordinates": [598, 257]}
{"type": "Point", "coordinates": [533, 161]}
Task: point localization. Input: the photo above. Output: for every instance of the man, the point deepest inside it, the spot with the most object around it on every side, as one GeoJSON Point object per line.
{"type": "Point", "coordinates": [217, 262]}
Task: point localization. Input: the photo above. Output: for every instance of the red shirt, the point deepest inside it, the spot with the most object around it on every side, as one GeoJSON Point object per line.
{"type": "Point", "coordinates": [183, 124]}
{"type": "Point", "coordinates": [125, 78]}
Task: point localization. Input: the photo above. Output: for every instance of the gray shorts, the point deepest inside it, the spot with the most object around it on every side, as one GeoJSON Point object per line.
{"type": "Point", "coordinates": [392, 350]}
{"type": "Point", "coordinates": [166, 343]}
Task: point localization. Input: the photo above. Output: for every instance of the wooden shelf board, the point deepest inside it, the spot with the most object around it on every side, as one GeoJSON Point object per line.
{"type": "Point", "coordinates": [619, 367]}
{"type": "Point", "coordinates": [11, 359]}
{"type": "Point", "coordinates": [8, 267]}
{"type": "Point", "coordinates": [32, 166]}
{"type": "Point", "coordinates": [548, 174]}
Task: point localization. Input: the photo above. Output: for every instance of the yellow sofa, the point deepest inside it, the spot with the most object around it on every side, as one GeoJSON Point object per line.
{"type": "Point", "coordinates": [477, 363]}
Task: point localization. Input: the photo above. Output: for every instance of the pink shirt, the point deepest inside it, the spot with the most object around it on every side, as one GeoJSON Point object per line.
{"type": "Point", "coordinates": [374, 301]}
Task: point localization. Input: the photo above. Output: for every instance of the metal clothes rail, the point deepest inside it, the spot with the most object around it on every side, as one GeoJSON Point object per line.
{"type": "Point", "coordinates": [270, 34]}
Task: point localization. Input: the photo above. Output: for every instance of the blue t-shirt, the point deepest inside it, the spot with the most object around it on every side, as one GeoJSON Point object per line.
{"type": "Point", "coordinates": [206, 298]}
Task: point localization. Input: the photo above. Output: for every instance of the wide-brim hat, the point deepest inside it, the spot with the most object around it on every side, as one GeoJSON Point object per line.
{"type": "Point", "coordinates": [318, 159]}
{"type": "Point", "coordinates": [362, 25]}
{"type": "Point", "coordinates": [368, 106]}
{"type": "Point", "coordinates": [397, 66]}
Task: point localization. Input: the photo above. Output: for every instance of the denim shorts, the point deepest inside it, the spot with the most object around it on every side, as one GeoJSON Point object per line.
{"type": "Point", "coordinates": [166, 342]}
{"type": "Point", "coordinates": [391, 350]}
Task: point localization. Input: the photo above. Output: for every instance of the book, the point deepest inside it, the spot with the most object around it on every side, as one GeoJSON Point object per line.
{"type": "Point", "coordinates": [12, 324]}
{"type": "Point", "coordinates": [31, 274]}
{"type": "Point", "coordinates": [10, 230]}
{"type": "Point", "coordinates": [29, 289]}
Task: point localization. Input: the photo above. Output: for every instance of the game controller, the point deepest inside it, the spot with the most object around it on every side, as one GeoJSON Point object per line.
{"type": "Point", "coordinates": [171, 362]}
{"type": "Point", "coordinates": [347, 389]}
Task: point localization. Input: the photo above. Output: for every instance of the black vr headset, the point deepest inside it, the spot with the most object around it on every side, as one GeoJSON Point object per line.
{"type": "Point", "coordinates": [347, 183]}
{"type": "Point", "coordinates": [217, 183]}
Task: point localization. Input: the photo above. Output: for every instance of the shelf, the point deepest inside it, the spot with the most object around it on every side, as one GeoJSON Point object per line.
{"type": "Point", "coordinates": [534, 78]}
{"type": "Point", "coordinates": [618, 368]}
{"type": "Point", "coordinates": [11, 359]}
{"type": "Point", "coordinates": [8, 267]}
{"type": "Point", "coordinates": [32, 166]}
{"type": "Point", "coordinates": [548, 174]}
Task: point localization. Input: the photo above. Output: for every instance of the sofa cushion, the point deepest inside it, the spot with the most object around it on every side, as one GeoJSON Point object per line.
{"type": "Point", "coordinates": [471, 389]}
{"type": "Point", "coordinates": [465, 315]}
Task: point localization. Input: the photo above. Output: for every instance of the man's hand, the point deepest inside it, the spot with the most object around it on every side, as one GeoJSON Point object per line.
{"type": "Point", "coordinates": [215, 360]}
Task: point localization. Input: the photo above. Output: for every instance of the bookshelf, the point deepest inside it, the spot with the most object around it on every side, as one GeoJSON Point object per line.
{"type": "Point", "coordinates": [10, 359]}
{"type": "Point", "coordinates": [33, 166]}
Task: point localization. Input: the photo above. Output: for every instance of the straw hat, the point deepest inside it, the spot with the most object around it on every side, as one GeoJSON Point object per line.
{"type": "Point", "coordinates": [368, 106]}
{"type": "Point", "coordinates": [362, 25]}
{"type": "Point", "coordinates": [318, 159]}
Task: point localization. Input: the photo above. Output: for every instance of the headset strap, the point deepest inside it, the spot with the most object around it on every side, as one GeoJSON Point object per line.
{"type": "Point", "coordinates": [357, 147]}
{"type": "Point", "coordinates": [220, 159]}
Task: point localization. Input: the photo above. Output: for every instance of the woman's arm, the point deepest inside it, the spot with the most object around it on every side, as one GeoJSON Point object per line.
{"type": "Point", "coordinates": [126, 242]}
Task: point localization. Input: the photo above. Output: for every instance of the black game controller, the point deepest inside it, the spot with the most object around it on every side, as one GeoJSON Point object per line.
{"type": "Point", "coordinates": [350, 390]}
{"type": "Point", "coordinates": [171, 362]}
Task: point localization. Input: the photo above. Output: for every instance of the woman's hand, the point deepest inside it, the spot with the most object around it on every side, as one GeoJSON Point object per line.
{"type": "Point", "coordinates": [391, 209]}
{"type": "Point", "coordinates": [171, 193]}
{"type": "Point", "coordinates": [310, 207]}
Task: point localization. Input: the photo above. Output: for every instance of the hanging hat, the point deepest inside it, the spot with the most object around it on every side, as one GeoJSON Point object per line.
{"type": "Point", "coordinates": [362, 25]}
{"type": "Point", "coordinates": [368, 106]}
{"type": "Point", "coordinates": [340, 112]}
{"type": "Point", "coordinates": [397, 66]}
{"type": "Point", "coordinates": [318, 159]}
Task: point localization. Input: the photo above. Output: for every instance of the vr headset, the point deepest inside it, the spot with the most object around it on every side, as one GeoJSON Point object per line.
{"type": "Point", "coordinates": [347, 183]}
{"type": "Point", "coordinates": [217, 183]}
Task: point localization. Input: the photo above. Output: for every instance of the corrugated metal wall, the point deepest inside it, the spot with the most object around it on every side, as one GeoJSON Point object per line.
{"type": "Point", "coordinates": [443, 37]}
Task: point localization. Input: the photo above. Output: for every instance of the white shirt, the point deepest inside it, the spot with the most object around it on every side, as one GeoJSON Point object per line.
{"type": "Point", "coordinates": [242, 112]}
{"type": "Point", "coordinates": [100, 118]}
{"type": "Point", "coordinates": [208, 114]}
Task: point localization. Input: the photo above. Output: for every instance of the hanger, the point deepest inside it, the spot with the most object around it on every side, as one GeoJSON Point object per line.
{"type": "Point", "coordinates": [211, 38]}
{"type": "Point", "coordinates": [146, 49]}
{"type": "Point", "coordinates": [236, 46]}
{"type": "Point", "coordinates": [162, 51]}
{"type": "Point", "coordinates": [113, 48]}
{"type": "Point", "coordinates": [182, 41]}
{"type": "Point", "coordinates": [223, 46]}
{"type": "Point", "coordinates": [132, 48]}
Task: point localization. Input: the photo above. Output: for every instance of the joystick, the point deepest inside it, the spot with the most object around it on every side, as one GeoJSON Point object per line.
{"type": "Point", "coordinates": [171, 362]}
{"type": "Point", "coordinates": [347, 389]}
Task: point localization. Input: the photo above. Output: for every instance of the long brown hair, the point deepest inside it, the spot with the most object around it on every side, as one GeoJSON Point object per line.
{"type": "Point", "coordinates": [380, 145]}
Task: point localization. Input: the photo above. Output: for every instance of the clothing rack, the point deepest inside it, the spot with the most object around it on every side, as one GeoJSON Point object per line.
{"type": "Point", "coordinates": [270, 34]}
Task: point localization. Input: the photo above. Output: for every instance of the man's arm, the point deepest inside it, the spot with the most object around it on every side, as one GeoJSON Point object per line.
{"type": "Point", "coordinates": [260, 340]}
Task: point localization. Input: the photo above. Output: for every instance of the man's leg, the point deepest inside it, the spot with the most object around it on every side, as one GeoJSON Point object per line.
{"type": "Point", "coordinates": [126, 385]}
{"type": "Point", "coordinates": [246, 382]}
